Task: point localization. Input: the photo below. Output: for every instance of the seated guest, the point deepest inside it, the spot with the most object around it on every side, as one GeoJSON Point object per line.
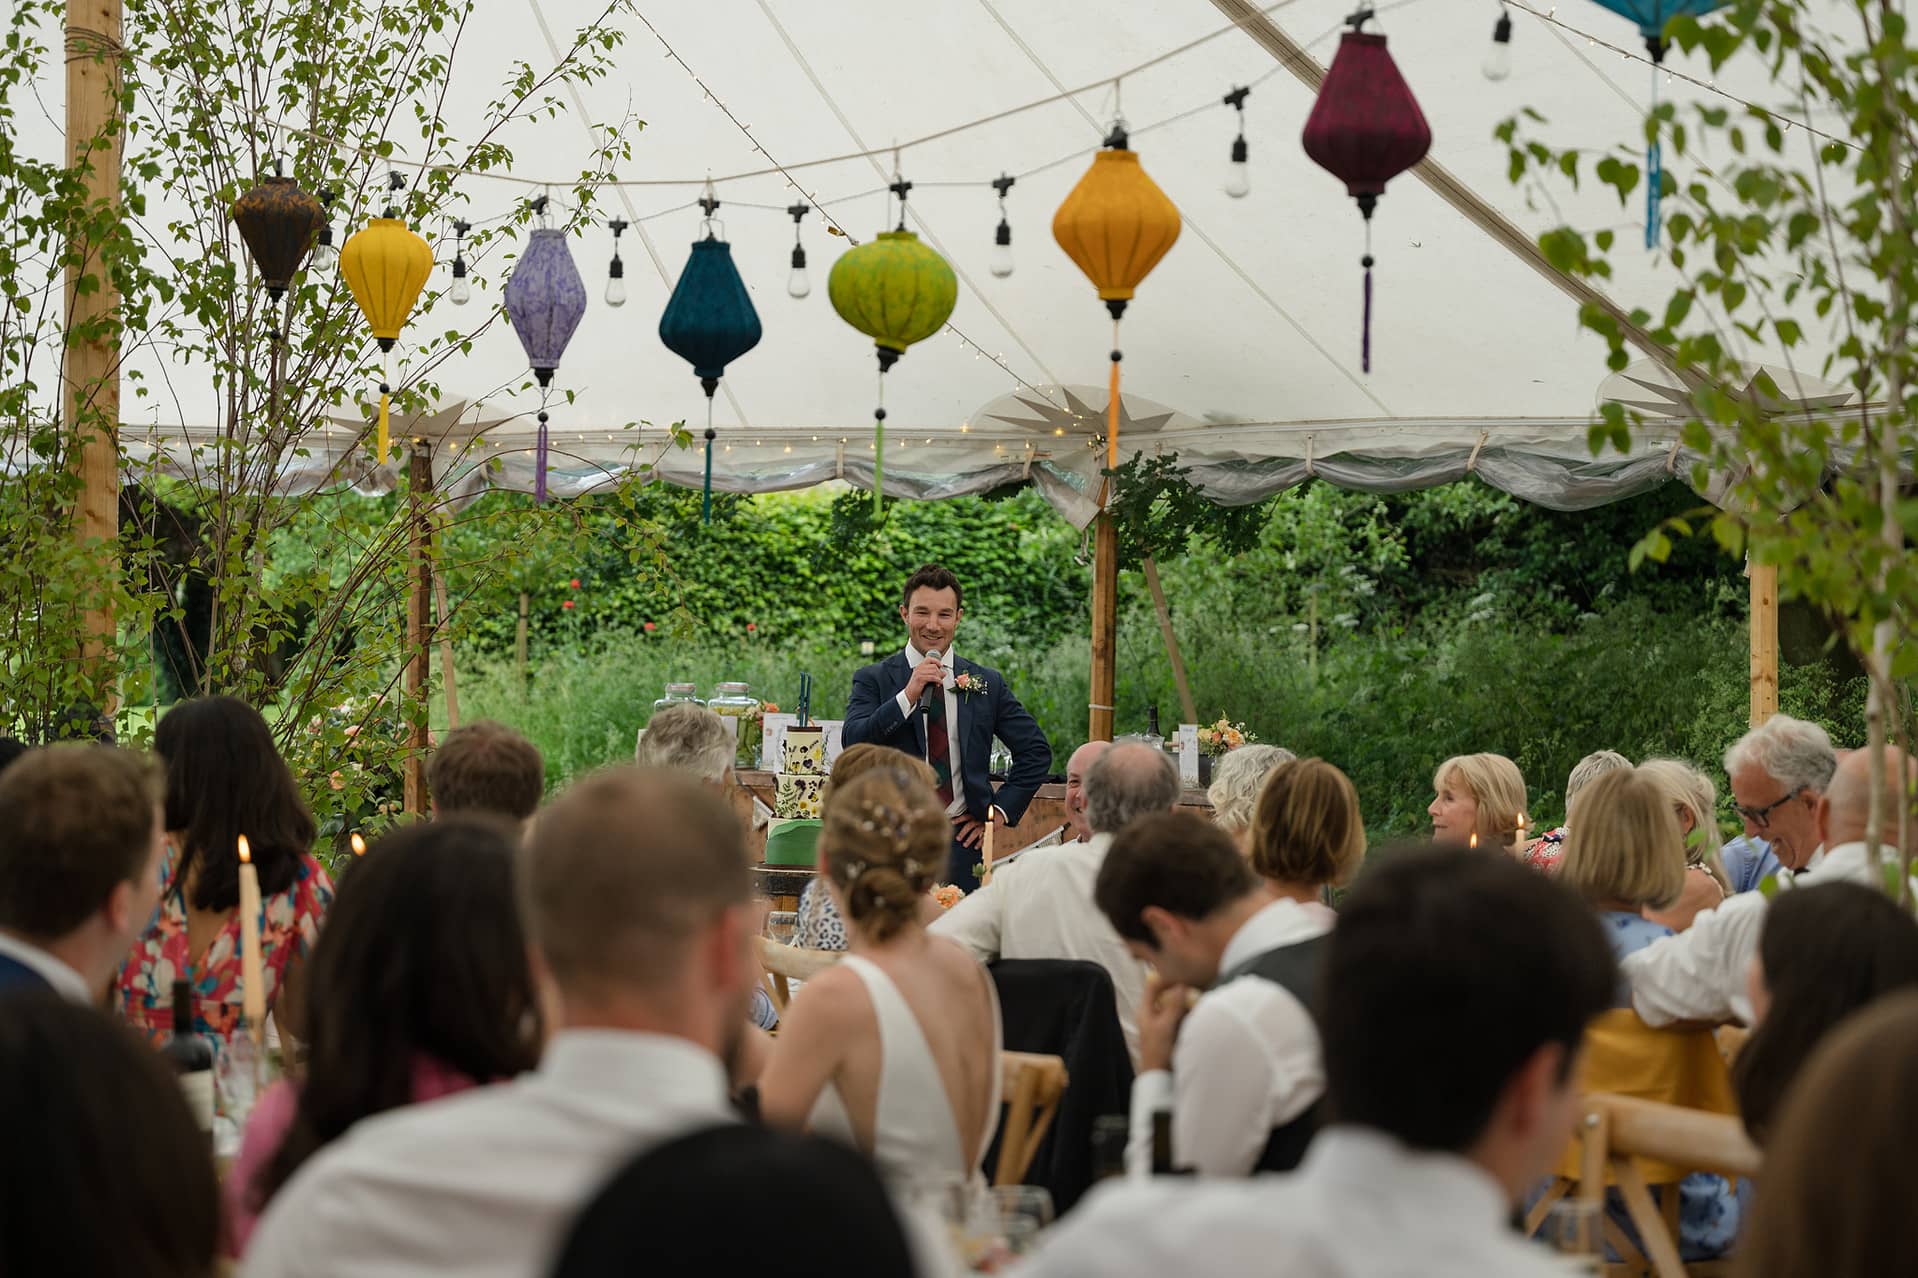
{"type": "Point", "coordinates": [1479, 802]}
{"type": "Point", "coordinates": [1747, 862]}
{"type": "Point", "coordinates": [225, 778]}
{"type": "Point", "coordinates": [80, 854]}
{"type": "Point", "coordinates": [1454, 994]}
{"type": "Point", "coordinates": [1824, 952]}
{"type": "Point", "coordinates": [818, 925]}
{"type": "Point", "coordinates": [1779, 771]}
{"type": "Point", "coordinates": [1627, 858]}
{"type": "Point", "coordinates": [692, 739]}
{"type": "Point", "coordinates": [1041, 906]}
{"type": "Point", "coordinates": [895, 1050]}
{"type": "Point", "coordinates": [1307, 834]}
{"type": "Point", "coordinates": [1700, 974]}
{"type": "Point", "coordinates": [418, 989]}
{"type": "Point", "coordinates": [1543, 852]}
{"type": "Point", "coordinates": [1076, 830]}
{"type": "Point", "coordinates": [1695, 801]}
{"type": "Point", "coordinates": [1839, 1176]}
{"type": "Point", "coordinates": [107, 1174]}
{"type": "Point", "coordinates": [836, 1218]}
{"type": "Point", "coordinates": [486, 767]}
{"type": "Point", "coordinates": [636, 898]}
{"type": "Point", "coordinates": [1243, 1078]}
{"type": "Point", "coordinates": [1237, 779]}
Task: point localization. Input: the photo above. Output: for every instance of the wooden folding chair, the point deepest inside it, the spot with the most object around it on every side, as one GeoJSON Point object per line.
{"type": "Point", "coordinates": [1032, 1086]}
{"type": "Point", "coordinates": [783, 963]}
{"type": "Point", "coordinates": [1619, 1137]}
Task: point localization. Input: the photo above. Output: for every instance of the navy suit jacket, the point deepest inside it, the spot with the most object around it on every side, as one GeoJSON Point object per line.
{"type": "Point", "coordinates": [17, 977]}
{"type": "Point", "coordinates": [873, 715]}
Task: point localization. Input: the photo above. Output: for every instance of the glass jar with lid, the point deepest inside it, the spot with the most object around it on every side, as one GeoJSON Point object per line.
{"type": "Point", "coordinates": [734, 702]}
{"type": "Point", "coordinates": [678, 692]}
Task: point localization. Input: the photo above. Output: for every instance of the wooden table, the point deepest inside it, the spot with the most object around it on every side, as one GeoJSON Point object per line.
{"type": "Point", "coordinates": [783, 883]}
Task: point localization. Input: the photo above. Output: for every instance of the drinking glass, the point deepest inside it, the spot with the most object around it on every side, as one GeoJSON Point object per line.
{"type": "Point", "coordinates": [1024, 1211]}
{"type": "Point", "coordinates": [1574, 1229]}
{"type": "Point", "coordinates": [237, 1070]}
{"type": "Point", "coordinates": [780, 925]}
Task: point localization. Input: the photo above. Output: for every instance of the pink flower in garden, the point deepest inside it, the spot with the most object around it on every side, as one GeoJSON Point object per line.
{"type": "Point", "coordinates": [750, 627]}
{"type": "Point", "coordinates": [650, 627]}
{"type": "Point", "coordinates": [567, 604]}
{"type": "Point", "coordinates": [573, 584]}
{"type": "Point", "coordinates": [352, 729]}
{"type": "Point", "coordinates": [337, 781]}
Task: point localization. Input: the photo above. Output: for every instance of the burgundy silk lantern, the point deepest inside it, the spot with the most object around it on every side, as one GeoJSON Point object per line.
{"type": "Point", "coordinates": [1365, 129]}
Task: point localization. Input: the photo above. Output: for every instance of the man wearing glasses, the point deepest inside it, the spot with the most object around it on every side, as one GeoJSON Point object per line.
{"type": "Point", "coordinates": [1780, 773]}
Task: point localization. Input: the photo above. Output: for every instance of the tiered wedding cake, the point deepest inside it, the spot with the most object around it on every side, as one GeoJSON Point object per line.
{"type": "Point", "coordinates": [792, 838]}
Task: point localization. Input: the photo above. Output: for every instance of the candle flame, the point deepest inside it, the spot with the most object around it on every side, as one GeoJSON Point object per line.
{"type": "Point", "coordinates": [1474, 842]}
{"type": "Point", "coordinates": [246, 851]}
{"type": "Point", "coordinates": [1523, 820]}
{"type": "Point", "coordinates": [359, 844]}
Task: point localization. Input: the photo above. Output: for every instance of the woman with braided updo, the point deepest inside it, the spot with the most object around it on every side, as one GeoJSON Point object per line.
{"type": "Point", "coordinates": [895, 1049]}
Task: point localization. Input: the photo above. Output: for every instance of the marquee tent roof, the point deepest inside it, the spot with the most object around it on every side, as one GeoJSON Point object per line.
{"type": "Point", "coordinates": [1241, 348]}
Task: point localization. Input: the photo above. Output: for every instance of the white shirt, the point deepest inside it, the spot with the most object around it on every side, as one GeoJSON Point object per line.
{"type": "Point", "coordinates": [1699, 975]}
{"type": "Point", "coordinates": [1247, 1059]}
{"type": "Point", "coordinates": [1040, 907]}
{"type": "Point", "coordinates": [66, 982]}
{"type": "Point", "coordinates": [906, 708]}
{"type": "Point", "coordinates": [486, 1183]}
{"type": "Point", "coordinates": [1360, 1206]}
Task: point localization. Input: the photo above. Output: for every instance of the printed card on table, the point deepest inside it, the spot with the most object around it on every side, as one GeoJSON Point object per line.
{"type": "Point", "coordinates": [1189, 753]}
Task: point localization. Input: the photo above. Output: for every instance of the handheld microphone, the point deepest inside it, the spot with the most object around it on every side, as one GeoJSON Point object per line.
{"type": "Point", "coordinates": [931, 690]}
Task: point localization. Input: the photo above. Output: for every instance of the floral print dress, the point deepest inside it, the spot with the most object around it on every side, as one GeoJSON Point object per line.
{"type": "Point", "coordinates": [289, 925]}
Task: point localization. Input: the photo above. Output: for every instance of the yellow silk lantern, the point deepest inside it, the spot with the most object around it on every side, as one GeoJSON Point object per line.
{"type": "Point", "coordinates": [386, 265]}
{"type": "Point", "coordinates": [1115, 226]}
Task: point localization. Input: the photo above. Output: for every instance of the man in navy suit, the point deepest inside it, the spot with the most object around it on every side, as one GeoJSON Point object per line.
{"type": "Point", "coordinates": [953, 730]}
{"type": "Point", "coordinates": [81, 844]}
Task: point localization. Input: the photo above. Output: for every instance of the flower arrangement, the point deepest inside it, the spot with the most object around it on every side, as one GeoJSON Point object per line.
{"type": "Point", "coordinates": [1217, 738]}
{"type": "Point", "coordinates": [947, 895]}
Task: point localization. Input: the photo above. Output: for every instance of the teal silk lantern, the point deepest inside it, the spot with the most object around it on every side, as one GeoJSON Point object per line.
{"type": "Point", "coordinates": [896, 291]}
{"type": "Point", "coordinates": [709, 322]}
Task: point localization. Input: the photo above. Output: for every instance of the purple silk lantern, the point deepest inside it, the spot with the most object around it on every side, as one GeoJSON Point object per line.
{"type": "Point", "coordinates": [545, 299]}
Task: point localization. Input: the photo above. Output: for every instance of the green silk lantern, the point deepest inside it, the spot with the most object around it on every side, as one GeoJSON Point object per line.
{"type": "Point", "coordinates": [896, 291]}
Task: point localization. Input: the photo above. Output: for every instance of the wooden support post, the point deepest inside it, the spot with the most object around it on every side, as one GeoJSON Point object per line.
{"type": "Point", "coordinates": [419, 616]}
{"type": "Point", "coordinates": [445, 632]}
{"type": "Point", "coordinates": [519, 643]}
{"type": "Point", "coordinates": [1105, 625]}
{"type": "Point", "coordinates": [91, 403]}
{"type": "Point", "coordinates": [1764, 640]}
{"type": "Point", "coordinates": [1172, 653]}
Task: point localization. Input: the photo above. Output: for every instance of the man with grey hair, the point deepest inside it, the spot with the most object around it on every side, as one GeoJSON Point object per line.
{"type": "Point", "coordinates": [688, 738]}
{"type": "Point", "coordinates": [636, 895]}
{"type": "Point", "coordinates": [1544, 851]}
{"type": "Point", "coordinates": [1778, 771]}
{"type": "Point", "coordinates": [1041, 905]}
{"type": "Point", "coordinates": [1701, 973]}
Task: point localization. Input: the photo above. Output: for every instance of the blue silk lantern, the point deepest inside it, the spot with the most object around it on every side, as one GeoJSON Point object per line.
{"type": "Point", "coordinates": [709, 322]}
{"type": "Point", "coordinates": [545, 298]}
{"type": "Point", "coordinates": [1651, 17]}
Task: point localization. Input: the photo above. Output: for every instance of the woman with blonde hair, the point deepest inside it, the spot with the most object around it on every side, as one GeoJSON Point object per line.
{"type": "Point", "coordinates": [817, 924]}
{"type": "Point", "coordinates": [1479, 800]}
{"type": "Point", "coordinates": [1307, 834]}
{"type": "Point", "coordinates": [1695, 802]}
{"type": "Point", "coordinates": [895, 1049]}
{"type": "Point", "coordinates": [1237, 780]}
{"type": "Point", "coordinates": [1626, 856]}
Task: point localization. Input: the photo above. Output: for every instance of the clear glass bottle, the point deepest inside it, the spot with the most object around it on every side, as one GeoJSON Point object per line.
{"type": "Point", "coordinates": [735, 703]}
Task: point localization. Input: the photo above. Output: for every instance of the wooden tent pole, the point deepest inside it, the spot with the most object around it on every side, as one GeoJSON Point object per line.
{"type": "Point", "coordinates": [91, 364]}
{"type": "Point", "coordinates": [1764, 640]}
{"type": "Point", "coordinates": [419, 629]}
{"type": "Point", "coordinates": [1105, 625]}
{"type": "Point", "coordinates": [1172, 652]}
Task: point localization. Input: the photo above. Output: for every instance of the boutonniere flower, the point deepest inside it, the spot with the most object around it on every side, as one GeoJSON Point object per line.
{"type": "Point", "coordinates": [968, 685]}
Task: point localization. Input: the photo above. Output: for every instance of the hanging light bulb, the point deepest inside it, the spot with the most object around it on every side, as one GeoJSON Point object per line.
{"type": "Point", "coordinates": [461, 292]}
{"type": "Point", "coordinates": [616, 273]}
{"type": "Point", "coordinates": [325, 256]}
{"type": "Point", "coordinates": [1001, 261]}
{"type": "Point", "coordinates": [1238, 180]}
{"type": "Point", "coordinates": [1498, 61]}
{"type": "Point", "coordinates": [797, 285]}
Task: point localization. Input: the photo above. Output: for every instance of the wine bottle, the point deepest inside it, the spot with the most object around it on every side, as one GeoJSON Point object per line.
{"type": "Point", "coordinates": [191, 1057]}
{"type": "Point", "coordinates": [1152, 737]}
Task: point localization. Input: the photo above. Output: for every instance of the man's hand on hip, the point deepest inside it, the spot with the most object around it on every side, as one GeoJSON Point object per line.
{"type": "Point", "coordinates": [970, 830]}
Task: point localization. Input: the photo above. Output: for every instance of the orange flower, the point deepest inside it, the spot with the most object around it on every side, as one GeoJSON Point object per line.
{"type": "Point", "coordinates": [947, 895]}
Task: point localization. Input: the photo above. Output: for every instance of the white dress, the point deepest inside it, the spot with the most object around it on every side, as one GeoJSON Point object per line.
{"type": "Point", "coordinates": [916, 1142]}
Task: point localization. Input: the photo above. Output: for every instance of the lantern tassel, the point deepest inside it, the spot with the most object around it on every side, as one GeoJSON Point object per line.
{"type": "Point", "coordinates": [706, 492]}
{"type": "Point", "coordinates": [1654, 169]}
{"type": "Point", "coordinates": [1365, 329]}
{"type": "Point", "coordinates": [539, 455]}
{"type": "Point", "coordinates": [1112, 403]}
{"type": "Point", "coordinates": [381, 439]}
{"type": "Point", "coordinates": [878, 461]}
